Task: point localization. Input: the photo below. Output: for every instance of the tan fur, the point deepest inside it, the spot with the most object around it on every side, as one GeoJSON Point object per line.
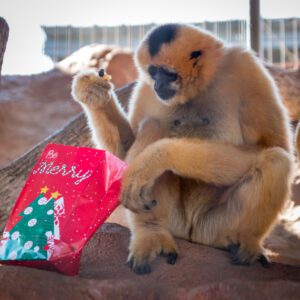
{"type": "Point", "coordinates": [217, 157]}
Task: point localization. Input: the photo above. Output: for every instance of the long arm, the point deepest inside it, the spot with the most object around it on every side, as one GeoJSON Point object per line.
{"type": "Point", "coordinates": [209, 161]}
{"type": "Point", "coordinates": [212, 162]}
{"type": "Point", "coordinates": [107, 120]}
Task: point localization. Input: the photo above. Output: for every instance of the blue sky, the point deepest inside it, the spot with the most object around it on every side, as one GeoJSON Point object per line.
{"type": "Point", "coordinates": [26, 16]}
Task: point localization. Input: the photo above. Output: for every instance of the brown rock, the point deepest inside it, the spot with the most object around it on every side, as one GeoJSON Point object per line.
{"type": "Point", "coordinates": [200, 273]}
{"type": "Point", "coordinates": [117, 61]}
{"type": "Point", "coordinates": [288, 82]}
{"type": "Point", "coordinates": [32, 108]}
{"type": "Point", "coordinates": [121, 66]}
{"type": "Point", "coordinates": [87, 57]}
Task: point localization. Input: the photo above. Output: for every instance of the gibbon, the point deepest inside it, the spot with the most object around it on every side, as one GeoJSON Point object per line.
{"type": "Point", "coordinates": [207, 141]}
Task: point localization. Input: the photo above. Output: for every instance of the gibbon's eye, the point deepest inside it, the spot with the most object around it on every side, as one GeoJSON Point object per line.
{"type": "Point", "coordinates": [152, 71]}
{"type": "Point", "coordinates": [195, 54]}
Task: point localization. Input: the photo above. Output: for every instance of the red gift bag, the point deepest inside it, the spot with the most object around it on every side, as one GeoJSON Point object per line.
{"type": "Point", "coordinates": [68, 195]}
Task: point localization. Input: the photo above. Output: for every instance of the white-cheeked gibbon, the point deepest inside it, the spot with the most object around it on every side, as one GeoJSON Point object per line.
{"type": "Point", "coordinates": [207, 141]}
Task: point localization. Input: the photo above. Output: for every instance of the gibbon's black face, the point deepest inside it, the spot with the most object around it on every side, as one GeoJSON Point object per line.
{"type": "Point", "coordinates": [163, 81]}
{"type": "Point", "coordinates": [179, 61]}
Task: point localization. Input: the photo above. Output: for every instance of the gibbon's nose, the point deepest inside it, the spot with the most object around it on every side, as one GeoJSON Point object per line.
{"type": "Point", "coordinates": [163, 91]}
{"type": "Point", "coordinates": [160, 85]}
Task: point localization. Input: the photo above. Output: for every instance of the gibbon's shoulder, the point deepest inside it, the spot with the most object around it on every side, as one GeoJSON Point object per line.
{"type": "Point", "coordinates": [239, 54]}
{"type": "Point", "coordinates": [245, 62]}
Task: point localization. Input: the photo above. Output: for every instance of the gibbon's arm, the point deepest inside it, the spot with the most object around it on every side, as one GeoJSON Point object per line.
{"type": "Point", "coordinates": [213, 162]}
{"type": "Point", "coordinates": [110, 128]}
{"type": "Point", "coordinates": [107, 120]}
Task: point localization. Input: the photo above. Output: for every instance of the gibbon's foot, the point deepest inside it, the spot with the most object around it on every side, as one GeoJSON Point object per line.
{"type": "Point", "coordinates": [244, 257]}
{"type": "Point", "coordinates": [139, 269]}
{"type": "Point", "coordinates": [91, 89]}
{"type": "Point", "coordinates": [145, 268]}
{"type": "Point", "coordinates": [264, 260]}
{"type": "Point", "coordinates": [233, 249]}
{"type": "Point", "coordinates": [144, 249]}
{"type": "Point", "coordinates": [171, 257]}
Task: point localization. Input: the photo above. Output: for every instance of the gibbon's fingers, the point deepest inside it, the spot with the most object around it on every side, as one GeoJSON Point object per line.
{"type": "Point", "coordinates": [90, 89]}
{"type": "Point", "coordinates": [210, 161]}
{"type": "Point", "coordinates": [136, 192]}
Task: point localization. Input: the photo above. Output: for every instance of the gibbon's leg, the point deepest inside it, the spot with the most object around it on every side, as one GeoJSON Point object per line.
{"type": "Point", "coordinates": [106, 118]}
{"type": "Point", "coordinates": [149, 238]}
{"type": "Point", "coordinates": [149, 234]}
{"type": "Point", "coordinates": [248, 209]}
{"type": "Point", "coordinates": [259, 184]}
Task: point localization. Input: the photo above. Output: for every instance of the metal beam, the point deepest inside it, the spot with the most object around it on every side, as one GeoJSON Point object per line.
{"type": "Point", "coordinates": [255, 25]}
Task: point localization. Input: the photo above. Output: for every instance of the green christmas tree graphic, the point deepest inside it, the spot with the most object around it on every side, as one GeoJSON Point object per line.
{"type": "Point", "coordinates": [28, 238]}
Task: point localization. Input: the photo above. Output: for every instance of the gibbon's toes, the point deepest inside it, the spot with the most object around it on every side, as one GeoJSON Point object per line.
{"type": "Point", "coordinates": [147, 246]}
{"type": "Point", "coordinates": [142, 269]}
{"type": "Point", "coordinates": [264, 260]}
{"type": "Point", "coordinates": [242, 256]}
{"type": "Point", "coordinates": [233, 249]}
{"type": "Point", "coordinates": [91, 89]}
{"type": "Point", "coordinates": [237, 261]}
{"type": "Point", "coordinates": [139, 268]}
{"type": "Point", "coordinates": [172, 257]}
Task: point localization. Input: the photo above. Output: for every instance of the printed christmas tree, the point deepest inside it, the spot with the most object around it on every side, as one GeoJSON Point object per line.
{"type": "Point", "coordinates": [29, 238]}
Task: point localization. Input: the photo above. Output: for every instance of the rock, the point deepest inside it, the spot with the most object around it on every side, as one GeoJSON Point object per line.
{"type": "Point", "coordinates": [200, 273]}
{"type": "Point", "coordinates": [32, 108]}
{"type": "Point", "coordinates": [117, 61]}
{"type": "Point", "coordinates": [288, 82]}
{"type": "Point", "coordinates": [121, 66]}
{"type": "Point", "coordinates": [87, 57]}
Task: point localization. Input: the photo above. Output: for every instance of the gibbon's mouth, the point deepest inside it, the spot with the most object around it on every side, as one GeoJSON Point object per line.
{"type": "Point", "coordinates": [166, 94]}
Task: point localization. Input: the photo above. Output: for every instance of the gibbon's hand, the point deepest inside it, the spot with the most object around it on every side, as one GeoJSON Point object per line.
{"type": "Point", "coordinates": [136, 189]}
{"type": "Point", "coordinates": [91, 89]}
{"type": "Point", "coordinates": [139, 178]}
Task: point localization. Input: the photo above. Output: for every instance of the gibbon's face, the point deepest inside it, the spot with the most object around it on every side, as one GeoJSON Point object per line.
{"type": "Point", "coordinates": [178, 61]}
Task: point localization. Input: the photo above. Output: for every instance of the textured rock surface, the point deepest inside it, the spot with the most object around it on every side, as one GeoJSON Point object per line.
{"type": "Point", "coordinates": [117, 61]}
{"type": "Point", "coordinates": [32, 108]}
{"type": "Point", "coordinates": [200, 273]}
